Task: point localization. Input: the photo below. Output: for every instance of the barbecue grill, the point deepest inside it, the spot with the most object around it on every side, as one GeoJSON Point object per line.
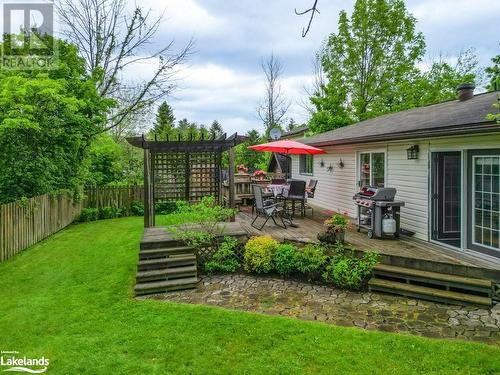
{"type": "Point", "coordinates": [378, 212]}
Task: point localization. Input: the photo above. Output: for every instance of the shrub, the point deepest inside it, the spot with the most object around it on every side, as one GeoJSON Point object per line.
{"type": "Point", "coordinates": [348, 271]}
{"type": "Point", "coordinates": [89, 214]}
{"type": "Point", "coordinates": [338, 223]}
{"type": "Point", "coordinates": [110, 213]}
{"type": "Point", "coordinates": [165, 208]}
{"type": "Point", "coordinates": [224, 259]}
{"type": "Point", "coordinates": [259, 252]}
{"type": "Point", "coordinates": [137, 208]}
{"type": "Point", "coordinates": [310, 260]}
{"type": "Point", "coordinates": [285, 259]}
{"type": "Point", "coordinates": [205, 216]}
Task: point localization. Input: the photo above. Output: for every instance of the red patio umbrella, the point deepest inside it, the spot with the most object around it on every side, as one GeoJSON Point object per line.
{"type": "Point", "coordinates": [288, 147]}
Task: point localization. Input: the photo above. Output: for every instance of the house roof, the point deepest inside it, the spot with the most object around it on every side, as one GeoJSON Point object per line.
{"type": "Point", "coordinates": [295, 131]}
{"type": "Point", "coordinates": [446, 118]}
{"type": "Point", "coordinates": [282, 161]}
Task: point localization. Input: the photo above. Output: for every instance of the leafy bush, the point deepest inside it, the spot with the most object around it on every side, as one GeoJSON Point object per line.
{"type": "Point", "coordinates": [137, 208]}
{"type": "Point", "coordinates": [205, 216]}
{"type": "Point", "coordinates": [310, 260]}
{"type": "Point", "coordinates": [89, 214]}
{"type": "Point", "coordinates": [165, 208]}
{"type": "Point", "coordinates": [224, 259]}
{"type": "Point", "coordinates": [348, 271]}
{"type": "Point", "coordinates": [258, 255]}
{"type": "Point", "coordinates": [285, 259]}
{"type": "Point", "coordinates": [110, 212]}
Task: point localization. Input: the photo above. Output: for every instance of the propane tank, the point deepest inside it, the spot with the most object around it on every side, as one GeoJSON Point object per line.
{"type": "Point", "coordinates": [388, 225]}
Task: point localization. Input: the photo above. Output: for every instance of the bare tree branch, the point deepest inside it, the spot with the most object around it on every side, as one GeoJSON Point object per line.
{"type": "Point", "coordinates": [313, 10]}
{"type": "Point", "coordinates": [110, 39]}
{"type": "Point", "coordinates": [275, 105]}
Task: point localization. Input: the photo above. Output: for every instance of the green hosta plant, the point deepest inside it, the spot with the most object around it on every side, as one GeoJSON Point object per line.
{"type": "Point", "coordinates": [224, 260]}
{"type": "Point", "coordinates": [259, 253]}
{"type": "Point", "coordinates": [285, 259]}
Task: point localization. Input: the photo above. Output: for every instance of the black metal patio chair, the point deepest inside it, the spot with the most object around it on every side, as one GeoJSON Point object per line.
{"type": "Point", "coordinates": [267, 209]}
{"type": "Point", "coordinates": [296, 193]}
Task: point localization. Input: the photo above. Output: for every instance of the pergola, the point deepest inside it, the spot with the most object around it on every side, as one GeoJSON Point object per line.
{"type": "Point", "coordinates": [184, 170]}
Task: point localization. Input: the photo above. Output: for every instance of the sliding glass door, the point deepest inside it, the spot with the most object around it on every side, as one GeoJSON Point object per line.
{"type": "Point", "coordinates": [484, 201]}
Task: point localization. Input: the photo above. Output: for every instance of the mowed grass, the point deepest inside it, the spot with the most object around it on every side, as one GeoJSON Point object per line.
{"type": "Point", "coordinates": [69, 298]}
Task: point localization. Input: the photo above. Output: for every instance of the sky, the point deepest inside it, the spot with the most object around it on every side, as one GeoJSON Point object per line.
{"type": "Point", "coordinates": [223, 79]}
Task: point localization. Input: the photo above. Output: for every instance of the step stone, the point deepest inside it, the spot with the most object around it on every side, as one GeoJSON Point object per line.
{"type": "Point", "coordinates": [422, 292]}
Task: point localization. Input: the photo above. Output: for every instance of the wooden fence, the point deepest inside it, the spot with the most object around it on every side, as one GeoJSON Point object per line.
{"type": "Point", "coordinates": [113, 196]}
{"type": "Point", "coordinates": [24, 224]}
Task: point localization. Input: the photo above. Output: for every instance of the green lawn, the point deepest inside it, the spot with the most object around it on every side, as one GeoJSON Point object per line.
{"type": "Point", "coordinates": [70, 299]}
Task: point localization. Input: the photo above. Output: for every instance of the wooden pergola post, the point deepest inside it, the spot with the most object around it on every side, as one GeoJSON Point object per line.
{"type": "Point", "coordinates": [231, 180]}
{"type": "Point", "coordinates": [147, 190]}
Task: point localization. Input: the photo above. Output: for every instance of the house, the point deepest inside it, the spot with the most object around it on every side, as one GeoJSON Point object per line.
{"type": "Point", "coordinates": [443, 159]}
{"type": "Point", "coordinates": [279, 164]}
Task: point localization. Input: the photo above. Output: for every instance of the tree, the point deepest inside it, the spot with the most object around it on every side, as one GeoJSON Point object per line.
{"type": "Point", "coordinates": [275, 105]}
{"type": "Point", "coordinates": [215, 129]}
{"type": "Point", "coordinates": [291, 125]}
{"type": "Point", "coordinates": [111, 39]}
{"type": "Point", "coordinates": [251, 159]}
{"type": "Point", "coordinates": [165, 121]}
{"type": "Point", "coordinates": [493, 74]}
{"type": "Point", "coordinates": [47, 121]}
{"type": "Point", "coordinates": [371, 68]}
{"type": "Point", "coordinates": [373, 50]}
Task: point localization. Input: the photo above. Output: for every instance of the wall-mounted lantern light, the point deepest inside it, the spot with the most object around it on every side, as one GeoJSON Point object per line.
{"type": "Point", "coordinates": [341, 164]}
{"type": "Point", "coordinates": [322, 163]}
{"type": "Point", "coordinates": [412, 152]}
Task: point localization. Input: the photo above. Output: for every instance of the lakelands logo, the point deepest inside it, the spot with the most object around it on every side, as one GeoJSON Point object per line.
{"type": "Point", "coordinates": [10, 361]}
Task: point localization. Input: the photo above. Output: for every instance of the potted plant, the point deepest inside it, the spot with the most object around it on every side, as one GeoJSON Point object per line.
{"type": "Point", "coordinates": [259, 174]}
{"type": "Point", "coordinates": [335, 228]}
{"type": "Point", "coordinates": [242, 169]}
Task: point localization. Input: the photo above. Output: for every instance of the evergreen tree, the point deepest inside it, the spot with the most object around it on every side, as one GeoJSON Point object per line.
{"type": "Point", "coordinates": [165, 121]}
{"type": "Point", "coordinates": [215, 129]}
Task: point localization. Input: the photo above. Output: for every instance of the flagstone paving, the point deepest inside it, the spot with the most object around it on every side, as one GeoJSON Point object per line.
{"type": "Point", "coordinates": [359, 309]}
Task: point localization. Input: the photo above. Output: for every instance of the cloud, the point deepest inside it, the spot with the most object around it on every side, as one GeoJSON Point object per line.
{"type": "Point", "coordinates": [224, 80]}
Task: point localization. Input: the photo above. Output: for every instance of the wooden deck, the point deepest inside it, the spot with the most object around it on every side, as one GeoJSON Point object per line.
{"type": "Point", "coordinates": [404, 248]}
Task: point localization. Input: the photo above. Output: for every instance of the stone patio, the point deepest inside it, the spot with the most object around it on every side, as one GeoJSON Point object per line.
{"type": "Point", "coordinates": [344, 308]}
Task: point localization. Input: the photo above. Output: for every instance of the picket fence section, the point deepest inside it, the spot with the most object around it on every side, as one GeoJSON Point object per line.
{"type": "Point", "coordinates": [25, 223]}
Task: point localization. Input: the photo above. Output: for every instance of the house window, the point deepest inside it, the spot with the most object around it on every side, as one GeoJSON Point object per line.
{"type": "Point", "coordinates": [372, 169]}
{"type": "Point", "coordinates": [306, 164]}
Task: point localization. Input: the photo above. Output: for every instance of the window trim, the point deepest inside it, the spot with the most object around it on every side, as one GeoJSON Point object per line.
{"type": "Point", "coordinates": [300, 164]}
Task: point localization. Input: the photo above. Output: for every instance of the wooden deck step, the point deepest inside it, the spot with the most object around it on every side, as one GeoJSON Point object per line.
{"type": "Point", "coordinates": [165, 286]}
{"type": "Point", "coordinates": [431, 294]}
{"type": "Point", "coordinates": [172, 261]}
{"type": "Point", "coordinates": [164, 252]}
{"type": "Point", "coordinates": [166, 274]}
{"type": "Point", "coordinates": [470, 283]}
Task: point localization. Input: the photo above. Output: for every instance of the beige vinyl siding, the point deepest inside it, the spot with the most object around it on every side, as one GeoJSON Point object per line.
{"type": "Point", "coordinates": [335, 189]}
{"type": "Point", "coordinates": [410, 177]}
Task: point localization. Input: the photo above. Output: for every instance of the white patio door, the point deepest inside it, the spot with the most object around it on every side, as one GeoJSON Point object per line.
{"type": "Point", "coordinates": [484, 201]}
